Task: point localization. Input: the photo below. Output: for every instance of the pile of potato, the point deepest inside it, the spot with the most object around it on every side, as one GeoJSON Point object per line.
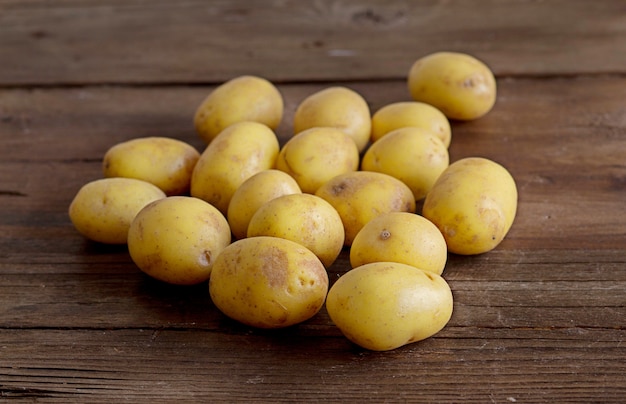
{"type": "Point", "coordinates": [263, 223]}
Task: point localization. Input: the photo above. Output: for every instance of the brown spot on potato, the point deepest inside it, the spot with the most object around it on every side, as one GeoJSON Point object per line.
{"type": "Point", "coordinates": [468, 83]}
{"type": "Point", "coordinates": [449, 231]}
{"type": "Point", "coordinates": [140, 230]}
{"type": "Point", "coordinates": [338, 189]}
{"type": "Point", "coordinates": [274, 266]}
{"type": "Point", "coordinates": [384, 234]}
{"type": "Point", "coordinates": [316, 272]}
{"type": "Point", "coordinates": [221, 146]}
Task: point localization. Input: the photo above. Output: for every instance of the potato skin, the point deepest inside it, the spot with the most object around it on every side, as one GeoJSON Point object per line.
{"type": "Point", "coordinates": [254, 193]}
{"type": "Point", "coordinates": [177, 239]}
{"type": "Point", "coordinates": [473, 203]}
{"type": "Point", "coordinates": [401, 237]}
{"type": "Point", "coordinates": [268, 282]}
{"type": "Point", "coordinates": [385, 305]}
{"type": "Point", "coordinates": [304, 218]}
{"type": "Point", "coordinates": [102, 210]}
{"type": "Point", "coordinates": [360, 196]}
{"type": "Point", "coordinates": [164, 162]}
{"type": "Point", "coordinates": [315, 155]}
{"type": "Point", "coordinates": [243, 98]}
{"type": "Point", "coordinates": [237, 153]}
{"type": "Point", "coordinates": [461, 86]}
{"type": "Point", "coordinates": [413, 155]}
{"type": "Point", "coordinates": [338, 107]}
{"type": "Point", "coordinates": [410, 114]}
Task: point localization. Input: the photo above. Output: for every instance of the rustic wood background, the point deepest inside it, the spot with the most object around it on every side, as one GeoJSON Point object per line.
{"type": "Point", "coordinates": [540, 319]}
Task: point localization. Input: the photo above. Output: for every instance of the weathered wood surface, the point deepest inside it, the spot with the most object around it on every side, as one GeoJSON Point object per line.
{"type": "Point", "coordinates": [156, 41]}
{"type": "Point", "coordinates": [540, 319]}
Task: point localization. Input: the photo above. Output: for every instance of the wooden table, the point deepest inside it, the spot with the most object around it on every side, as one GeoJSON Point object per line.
{"type": "Point", "coordinates": [540, 319]}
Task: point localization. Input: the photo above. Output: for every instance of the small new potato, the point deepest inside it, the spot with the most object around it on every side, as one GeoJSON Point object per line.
{"type": "Point", "coordinates": [244, 98]}
{"type": "Point", "coordinates": [411, 113]}
{"type": "Point", "coordinates": [102, 210]}
{"type": "Point", "coordinates": [459, 85]}
{"type": "Point", "coordinates": [413, 155]}
{"type": "Point", "coordinates": [164, 162]}
{"type": "Point", "coordinates": [237, 153]}
{"type": "Point", "coordinates": [304, 218]}
{"type": "Point", "coordinates": [177, 239]}
{"type": "Point", "coordinates": [338, 107]}
{"type": "Point", "coordinates": [473, 203]}
{"type": "Point", "coordinates": [253, 193]}
{"type": "Point", "coordinates": [385, 305]}
{"type": "Point", "coordinates": [316, 155]}
{"type": "Point", "coordinates": [268, 282]}
{"type": "Point", "coordinates": [400, 237]}
{"type": "Point", "coordinates": [360, 196]}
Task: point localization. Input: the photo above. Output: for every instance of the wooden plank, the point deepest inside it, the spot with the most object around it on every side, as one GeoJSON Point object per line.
{"type": "Point", "coordinates": [140, 41]}
{"type": "Point", "coordinates": [557, 119]}
{"type": "Point", "coordinates": [124, 365]}
{"type": "Point", "coordinates": [110, 292]}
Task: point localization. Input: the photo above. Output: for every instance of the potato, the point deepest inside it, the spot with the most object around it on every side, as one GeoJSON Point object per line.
{"type": "Point", "coordinates": [415, 156]}
{"type": "Point", "coordinates": [401, 237]}
{"type": "Point", "coordinates": [268, 282]}
{"type": "Point", "coordinates": [473, 203]}
{"type": "Point", "coordinates": [338, 107]}
{"type": "Point", "coordinates": [253, 193]}
{"type": "Point", "coordinates": [306, 219]}
{"type": "Point", "coordinates": [360, 196]}
{"type": "Point", "coordinates": [315, 155]}
{"type": "Point", "coordinates": [237, 153]}
{"type": "Point", "coordinates": [385, 305]}
{"type": "Point", "coordinates": [411, 113]}
{"type": "Point", "coordinates": [164, 162]}
{"type": "Point", "coordinates": [102, 210]}
{"type": "Point", "coordinates": [177, 239]}
{"type": "Point", "coordinates": [244, 98]}
{"type": "Point", "coordinates": [459, 85]}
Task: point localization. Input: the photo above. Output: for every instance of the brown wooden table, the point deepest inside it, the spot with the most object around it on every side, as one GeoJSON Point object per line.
{"type": "Point", "coordinates": [540, 319]}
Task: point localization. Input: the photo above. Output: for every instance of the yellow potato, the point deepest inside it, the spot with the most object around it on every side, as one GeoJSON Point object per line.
{"type": "Point", "coordinates": [254, 193]}
{"type": "Point", "coordinates": [338, 107]}
{"type": "Point", "coordinates": [244, 98]}
{"type": "Point", "coordinates": [316, 155]}
{"type": "Point", "coordinates": [385, 305]}
{"type": "Point", "coordinates": [360, 196]}
{"type": "Point", "coordinates": [415, 156]}
{"type": "Point", "coordinates": [177, 239]}
{"type": "Point", "coordinates": [401, 237]}
{"type": "Point", "coordinates": [237, 153]}
{"type": "Point", "coordinates": [459, 85]}
{"type": "Point", "coordinates": [306, 219]}
{"type": "Point", "coordinates": [164, 162]}
{"type": "Point", "coordinates": [473, 203]}
{"type": "Point", "coordinates": [268, 282]}
{"type": "Point", "coordinates": [103, 209]}
{"type": "Point", "coordinates": [411, 113]}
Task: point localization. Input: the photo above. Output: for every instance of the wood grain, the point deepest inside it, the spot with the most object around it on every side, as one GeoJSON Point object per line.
{"type": "Point", "coordinates": [540, 319]}
{"type": "Point", "coordinates": [159, 41]}
{"type": "Point", "coordinates": [465, 365]}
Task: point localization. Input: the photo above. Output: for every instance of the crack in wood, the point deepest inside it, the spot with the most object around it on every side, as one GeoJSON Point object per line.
{"type": "Point", "coordinates": [29, 392]}
{"type": "Point", "coordinates": [7, 192]}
